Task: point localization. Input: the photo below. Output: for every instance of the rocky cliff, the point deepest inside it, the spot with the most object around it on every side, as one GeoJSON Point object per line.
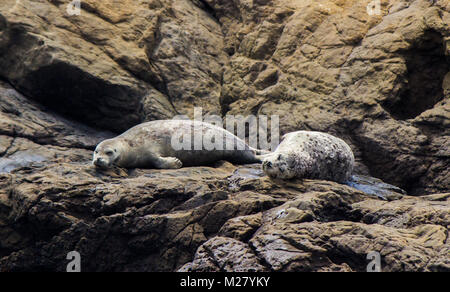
{"type": "Point", "coordinates": [380, 81]}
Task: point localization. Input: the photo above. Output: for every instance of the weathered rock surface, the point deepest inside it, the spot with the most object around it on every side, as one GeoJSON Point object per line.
{"type": "Point", "coordinates": [152, 220]}
{"type": "Point", "coordinates": [115, 64]}
{"type": "Point", "coordinates": [377, 81]}
{"type": "Point", "coordinates": [380, 82]}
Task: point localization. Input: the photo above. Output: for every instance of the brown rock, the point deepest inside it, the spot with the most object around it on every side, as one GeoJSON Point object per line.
{"type": "Point", "coordinates": [115, 64]}
{"type": "Point", "coordinates": [222, 254]}
{"type": "Point", "coordinates": [156, 220]}
{"type": "Point", "coordinates": [376, 81]}
{"type": "Point", "coordinates": [380, 82]}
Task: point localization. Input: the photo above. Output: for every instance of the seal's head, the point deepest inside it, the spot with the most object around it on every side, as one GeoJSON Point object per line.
{"type": "Point", "coordinates": [107, 153]}
{"type": "Point", "coordinates": [279, 166]}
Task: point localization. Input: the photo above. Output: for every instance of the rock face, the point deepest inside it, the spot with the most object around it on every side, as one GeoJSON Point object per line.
{"type": "Point", "coordinates": [115, 64]}
{"type": "Point", "coordinates": [379, 81]}
{"type": "Point", "coordinates": [210, 219]}
{"type": "Point", "coordinates": [375, 80]}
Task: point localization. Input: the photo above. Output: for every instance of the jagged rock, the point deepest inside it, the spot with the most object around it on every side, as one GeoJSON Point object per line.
{"type": "Point", "coordinates": [376, 187]}
{"type": "Point", "coordinates": [380, 82]}
{"type": "Point", "coordinates": [318, 246]}
{"type": "Point", "coordinates": [411, 234]}
{"type": "Point", "coordinates": [222, 254]}
{"type": "Point", "coordinates": [115, 64]}
{"type": "Point", "coordinates": [377, 81]}
{"type": "Point", "coordinates": [30, 134]}
{"type": "Point", "coordinates": [155, 220]}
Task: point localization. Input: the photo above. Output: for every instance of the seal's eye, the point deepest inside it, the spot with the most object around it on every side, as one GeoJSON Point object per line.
{"type": "Point", "coordinates": [279, 157]}
{"type": "Point", "coordinates": [109, 153]}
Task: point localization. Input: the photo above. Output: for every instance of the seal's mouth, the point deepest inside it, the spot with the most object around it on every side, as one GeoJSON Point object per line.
{"type": "Point", "coordinates": [101, 163]}
{"type": "Point", "coordinates": [269, 169]}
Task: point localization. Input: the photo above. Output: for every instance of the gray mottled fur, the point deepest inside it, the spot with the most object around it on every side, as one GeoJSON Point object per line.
{"type": "Point", "coordinates": [314, 155]}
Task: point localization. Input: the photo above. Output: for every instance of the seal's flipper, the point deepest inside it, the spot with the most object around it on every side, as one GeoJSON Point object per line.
{"type": "Point", "coordinates": [262, 152]}
{"type": "Point", "coordinates": [261, 157]}
{"type": "Point", "coordinates": [168, 163]}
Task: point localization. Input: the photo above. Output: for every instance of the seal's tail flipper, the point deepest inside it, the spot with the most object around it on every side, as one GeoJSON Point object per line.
{"type": "Point", "coordinates": [261, 152]}
{"type": "Point", "coordinates": [262, 156]}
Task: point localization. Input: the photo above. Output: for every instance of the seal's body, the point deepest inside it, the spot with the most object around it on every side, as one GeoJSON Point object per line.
{"type": "Point", "coordinates": [314, 155]}
{"type": "Point", "coordinates": [157, 144]}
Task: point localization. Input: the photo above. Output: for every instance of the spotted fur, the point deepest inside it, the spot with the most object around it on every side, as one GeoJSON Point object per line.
{"type": "Point", "coordinates": [313, 155]}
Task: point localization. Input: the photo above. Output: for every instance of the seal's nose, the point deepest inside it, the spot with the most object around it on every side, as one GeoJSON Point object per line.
{"type": "Point", "coordinates": [99, 162]}
{"type": "Point", "coordinates": [267, 164]}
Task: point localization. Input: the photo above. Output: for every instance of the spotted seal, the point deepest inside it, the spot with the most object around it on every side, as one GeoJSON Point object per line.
{"type": "Point", "coordinates": [314, 155]}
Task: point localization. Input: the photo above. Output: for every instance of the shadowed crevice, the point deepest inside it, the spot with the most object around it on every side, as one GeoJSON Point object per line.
{"type": "Point", "coordinates": [76, 94]}
{"type": "Point", "coordinates": [421, 87]}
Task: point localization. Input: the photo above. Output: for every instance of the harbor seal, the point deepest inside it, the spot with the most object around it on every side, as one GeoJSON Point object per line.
{"type": "Point", "coordinates": [151, 145]}
{"type": "Point", "coordinates": [313, 155]}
